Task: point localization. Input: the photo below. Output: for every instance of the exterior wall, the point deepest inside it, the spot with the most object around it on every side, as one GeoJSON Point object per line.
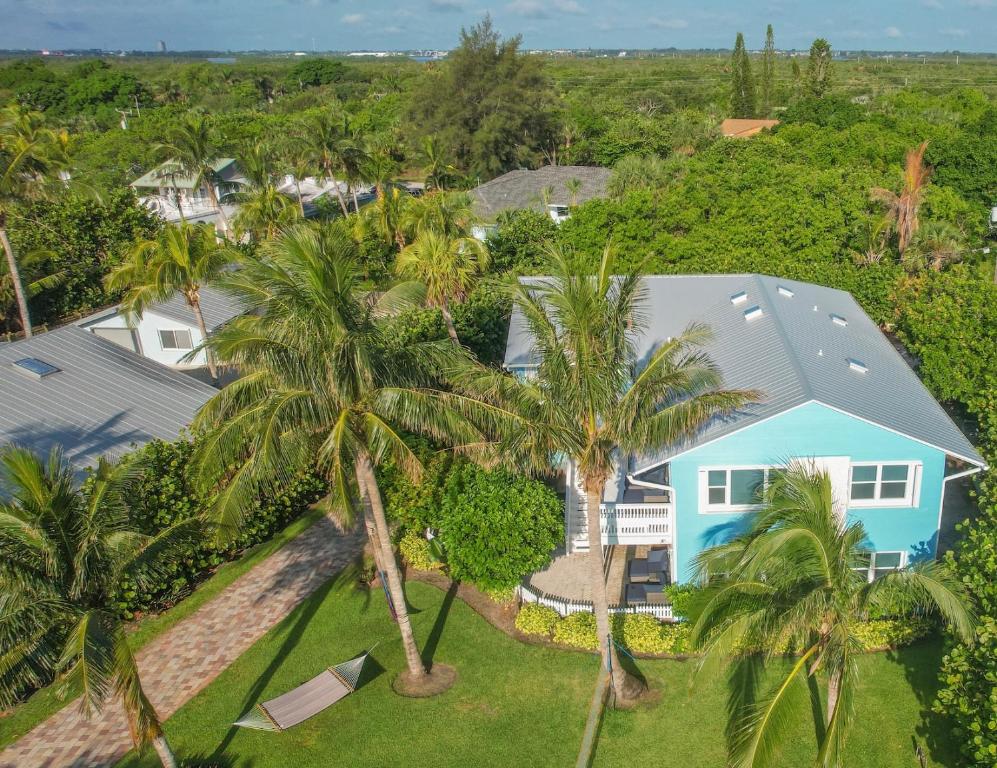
{"type": "Point", "coordinates": [812, 430]}
{"type": "Point", "coordinates": [148, 329]}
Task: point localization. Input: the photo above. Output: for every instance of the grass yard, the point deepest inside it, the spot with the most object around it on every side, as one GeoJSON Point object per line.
{"type": "Point", "coordinates": [46, 702]}
{"type": "Point", "coordinates": [513, 704]}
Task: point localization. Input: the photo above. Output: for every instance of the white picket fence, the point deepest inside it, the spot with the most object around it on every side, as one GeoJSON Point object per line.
{"type": "Point", "coordinates": [566, 607]}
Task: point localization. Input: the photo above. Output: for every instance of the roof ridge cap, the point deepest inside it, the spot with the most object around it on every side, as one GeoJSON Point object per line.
{"type": "Point", "coordinates": [801, 375]}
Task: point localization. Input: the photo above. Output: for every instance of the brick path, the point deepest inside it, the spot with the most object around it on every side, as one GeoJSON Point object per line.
{"type": "Point", "coordinates": [182, 661]}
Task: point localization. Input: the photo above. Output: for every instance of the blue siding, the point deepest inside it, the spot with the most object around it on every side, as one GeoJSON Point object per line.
{"type": "Point", "coordinates": [810, 430]}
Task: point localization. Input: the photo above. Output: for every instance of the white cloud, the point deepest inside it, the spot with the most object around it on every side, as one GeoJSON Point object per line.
{"type": "Point", "coordinates": [353, 18]}
{"type": "Point", "coordinates": [667, 23]}
{"type": "Point", "coordinates": [935, 4]}
{"type": "Point", "coordinates": [893, 32]}
{"type": "Point", "coordinates": [954, 32]}
{"type": "Point", "coordinates": [539, 9]}
{"type": "Point", "coordinates": [568, 6]}
{"type": "Point", "coordinates": [447, 6]}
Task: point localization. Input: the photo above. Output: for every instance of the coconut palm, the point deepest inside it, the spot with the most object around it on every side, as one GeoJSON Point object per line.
{"type": "Point", "coordinates": [30, 156]}
{"type": "Point", "coordinates": [440, 172]}
{"type": "Point", "coordinates": [322, 381]}
{"type": "Point", "coordinates": [591, 397]}
{"type": "Point", "coordinates": [191, 151]}
{"type": "Point", "coordinates": [65, 552]}
{"type": "Point", "coordinates": [324, 144]}
{"type": "Point", "coordinates": [798, 581]}
{"type": "Point", "coordinates": [385, 218]}
{"type": "Point", "coordinates": [447, 266]}
{"type": "Point", "coordinates": [447, 213]}
{"type": "Point", "coordinates": [873, 234]}
{"type": "Point", "coordinates": [902, 209]}
{"type": "Point", "coordinates": [263, 209]}
{"type": "Point", "coordinates": [573, 186]}
{"type": "Point", "coordinates": [31, 267]}
{"type": "Point", "coordinates": [181, 258]}
{"type": "Point", "coordinates": [935, 245]}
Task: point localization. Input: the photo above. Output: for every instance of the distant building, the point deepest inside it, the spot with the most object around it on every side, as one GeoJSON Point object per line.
{"type": "Point", "coordinates": [548, 189]}
{"type": "Point", "coordinates": [161, 46]}
{"type": "Point", "coordinates": [738, 128]}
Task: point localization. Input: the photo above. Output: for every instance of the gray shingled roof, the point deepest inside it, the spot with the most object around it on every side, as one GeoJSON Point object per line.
{"type": "Point", "coordinates": [218, 307]}
{"type": "Point", "coordinates": [103, 400]}
{"type": "Point", "coordinates": [794, 352]}
{"type": "Point", "coordinates": [524, 189]}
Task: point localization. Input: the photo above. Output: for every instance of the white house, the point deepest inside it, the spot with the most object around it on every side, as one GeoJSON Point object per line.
{"type": "Point", "coordinates": [166, 332]}
{"type": "Point", "coordinates": [161, 188]}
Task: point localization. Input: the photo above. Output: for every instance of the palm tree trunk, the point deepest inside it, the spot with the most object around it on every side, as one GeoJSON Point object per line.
{"type": "Point", "coordinates": [162, 747]}
{"type": "Point", "coordinates": [356, 201]}
{"type": "Point", "coordinates": [339, 193]}
{"type": "Point", "coordinates": [301, 203]}
{"type": "Point", "coordinates": [448, 319]}
{"type": "Point", "coordinates": [179, 202]}
{"type": "Point", "coordinates": [833, 691]}
{"type": "Point", "coordinates": [597, 583]}
{"type": "Point", "coordinates": [15, 279]}
{"type": "Point", "coordinates": [195, 304]}
{"type": "Point", "coordinates": [222, 218]}
{"type": "Point", "coordinates": [369, 488]}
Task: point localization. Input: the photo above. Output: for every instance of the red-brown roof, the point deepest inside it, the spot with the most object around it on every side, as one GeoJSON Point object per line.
{"type": "Point", "coordinates": [741, 128]}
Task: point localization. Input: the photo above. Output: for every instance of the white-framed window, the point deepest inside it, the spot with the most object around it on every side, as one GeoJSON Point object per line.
{"type": "Point", "coordinates": [881, 563]}
{"type": "Point", "coordinates": [175, 339]}
{"type": "Point", "coordinates": [883, 484]}
{"type": "Point", "coordinates": [733, 489]}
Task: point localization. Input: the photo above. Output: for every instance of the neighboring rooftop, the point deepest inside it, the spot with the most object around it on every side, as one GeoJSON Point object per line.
{"type": "Point", "coordinates": [739, 128]}
{"type": "Point", "coordinates": [525, 189]}
{"type": "Point", "coordinates": [217, 308]}
{"type": "Point", "coordinates": [100, 399]}
{"type": "Point", "coordinates": [797, 342]}
{"type": "Point", "coordinates": [166, 175]}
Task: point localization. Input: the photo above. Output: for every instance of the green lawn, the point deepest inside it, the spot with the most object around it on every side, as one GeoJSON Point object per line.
{"type": "Point", "coordinates": [46, 702]}
{"type": "Point", "coordinates": [513, 704]}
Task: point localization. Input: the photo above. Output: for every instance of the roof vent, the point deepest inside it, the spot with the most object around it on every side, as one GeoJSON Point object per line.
{"type": "Point", "coordinates": [35, 368]}
{"type": "Point", "coordinates": [739, 298]}
{"type": "Point", "coordinates": [753, 312]}
{"type": "Point", "coordinates": [857, 365]}
{"type": "Point", "coordinates": [784, 291]}
{"type": "Point", "coordinates": [839, 320]}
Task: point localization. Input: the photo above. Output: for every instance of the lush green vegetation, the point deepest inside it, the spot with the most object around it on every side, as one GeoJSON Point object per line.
{"type": "Point", "coordinates": [513, 704]}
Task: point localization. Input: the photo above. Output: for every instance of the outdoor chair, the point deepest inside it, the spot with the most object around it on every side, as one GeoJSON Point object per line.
{"type": "Point", "coordinates": [636, 594]}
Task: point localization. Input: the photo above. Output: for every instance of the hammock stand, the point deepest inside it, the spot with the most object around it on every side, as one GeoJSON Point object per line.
{"type": "Point", "coordinates": [307, 700]}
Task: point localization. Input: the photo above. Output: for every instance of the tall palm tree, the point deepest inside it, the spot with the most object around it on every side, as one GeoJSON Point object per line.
{"type": "Point", "coordinates": [902, 209]}
{"type": "Point", "coordinates": [447, 266]}
{"type": "Point", "coordinates": [797, 580]}
{"type": "Point", "coordinates": [573, 186]}
{"type": "Point", "coordinates": [440, 172]}
{"type": "Point", "coordinates": [191, 149]}
{"type": "Point", "coordinates": [34, 281]}
{"type": "Point", "coordinates": [935, 245]}
{"type": "Point", "coordinates": [321, 381]}
{"type": "Point", "coordinates": [30, 156]}
{"type": "Point", "coordinates": [385, 217]}
{"type": "Point", "coordinates": [323, 142]}
{"type": "Point", "coordinates": [181, 258]}
{"type": "Point", "coordinates": [592, 397]}
{"type": "Point", "coordinates": [263, 209]}
{"type": "Point", "coordinates": [64, 554]}
{"type": "Point", "coordinates": [446, 213]}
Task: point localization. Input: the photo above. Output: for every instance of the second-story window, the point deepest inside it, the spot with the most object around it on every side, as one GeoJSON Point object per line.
{"type": "Point", "coordinates": [726, 489]}
{"type": "Point", "coordinates": [882, 485]}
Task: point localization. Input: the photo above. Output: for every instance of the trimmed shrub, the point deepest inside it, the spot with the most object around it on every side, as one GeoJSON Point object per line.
{"type": "Point", "coordinates": [535, 619]}
{"type": "Point", "coordinates": [416, 551]}
{"type": "Point", "coordinates": [641, 633]}
{"type": "Point", "coordinates": [578, 631]}
{"type": "Point", "coordinates": [680, 596]}
{"type": "Point", "coordinates": [878, 634]}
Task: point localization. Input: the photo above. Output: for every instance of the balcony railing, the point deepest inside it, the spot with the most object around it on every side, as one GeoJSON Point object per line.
{"type": "Point", "coordinates": [637, 523]}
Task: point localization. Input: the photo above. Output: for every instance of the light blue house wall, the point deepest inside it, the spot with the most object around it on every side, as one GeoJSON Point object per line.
{"type": "Point", "coordinates": [811, 430]}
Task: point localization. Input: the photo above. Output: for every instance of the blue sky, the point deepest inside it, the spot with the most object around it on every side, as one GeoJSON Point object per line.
{"type": "Point", "coordinates": [967, 25]}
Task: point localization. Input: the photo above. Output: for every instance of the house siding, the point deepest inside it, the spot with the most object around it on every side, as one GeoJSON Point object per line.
{"type": "Point", "coordinates": [147, 328]}
{"type": "Point", "coordinates": [811, 430]}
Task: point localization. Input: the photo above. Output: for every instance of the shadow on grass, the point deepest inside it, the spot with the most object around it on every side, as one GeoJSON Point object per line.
{"type": "Point", "coordinates": [293, 633]}
{"type": "Point", "coordinates": [433, 641]}
{"type": "Point", "coordinates": [921, 663]}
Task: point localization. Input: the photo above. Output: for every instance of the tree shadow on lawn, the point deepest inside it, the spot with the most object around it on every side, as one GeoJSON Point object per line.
{"type": "Point", "coordinates": [292, 636]}
{"type": "Point", "coordinates": [433, 640]}
{"type": "Point", "coordinates": [921, 663]}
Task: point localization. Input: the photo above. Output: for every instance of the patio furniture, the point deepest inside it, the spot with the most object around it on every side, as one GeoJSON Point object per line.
{"type": "Point", "coordinates": [639, 571]}
{"type": "Point", "coordinates": [636, 594]}
{"type": "Point", "coordinates": [654, 594]}
{"type": "Point", "coordinates": [650, 570]}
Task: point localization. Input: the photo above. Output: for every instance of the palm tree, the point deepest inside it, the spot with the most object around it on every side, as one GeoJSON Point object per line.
{"type": "Point", "coordinates": [447, 266]}
{"type": "Point", "coordinates": [30, 156]}
{"type": "Point", "coordinates": [263, 209]}
{"type": "Point", "coordinates": [181, 258]}
{"type": "Point", "coordinates": [797, 580]}
{"type": "Point", "coordinates": [935, 245]}
{"type": "Point", "coordinates": [437, 167]}
{"type": "Point", "coordinates": [385, 217]}
{"type": "Point", "coordinates": [322, 381]}
{"type": "Point", "coordinates": [873, 233]}
{"type": "Point", "coordinates": [323, 143]}
{"type": "Point", "coordinates": [65, 553]}
{"type": "Point", "coordinates": [592, 397]}
{"type": "Point", "coordinates": [574, 186]}
{"type": "Point", "coordinates": [191, 150]}
{"type": "Point", "coordinates": [902, 209]}
{"type": "Point", "coordinates": [30, 265]}
{"type": "Point", "coordinates": [447, 213]}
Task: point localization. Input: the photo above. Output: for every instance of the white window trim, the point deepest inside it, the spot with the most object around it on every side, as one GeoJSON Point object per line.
{"type": "Point", "coordinates": [871, 569]}
{"type": "Point", "coordinates": [911, 499]}
{"type": "Point", "coordinates": [705, 508]}
{"type": "Point", "coordinates": [175, 331]}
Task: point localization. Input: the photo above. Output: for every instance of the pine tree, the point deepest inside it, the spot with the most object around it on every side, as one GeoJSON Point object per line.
{"type": "Point", "coordinates": [742, 84]}
{"type": "Point", "coordinates": [819, 68]}
{"type": "Point", "coordinates": [768, 72]}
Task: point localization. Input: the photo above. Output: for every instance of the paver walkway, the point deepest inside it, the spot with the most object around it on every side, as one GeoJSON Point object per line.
{"type": "Point", "coordinates": [183, 660]}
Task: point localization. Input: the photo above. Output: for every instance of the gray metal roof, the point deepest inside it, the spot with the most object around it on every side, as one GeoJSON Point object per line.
{"type": "Point", "coordinates": [794, 351]}
{"type": "Point", "coordinates": [524, 189]}
{"type": "Point", "coordinates": [103, 400]}
{"type": "Point", "coordinates": [217, 307]}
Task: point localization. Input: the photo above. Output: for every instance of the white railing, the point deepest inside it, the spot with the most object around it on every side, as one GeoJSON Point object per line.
{"type": "Point", "coordinates": [637, 523]}
{"type": "Point", "coordinates": [167, 209]}
{"type": "Point", "coordinates": [566, 607]}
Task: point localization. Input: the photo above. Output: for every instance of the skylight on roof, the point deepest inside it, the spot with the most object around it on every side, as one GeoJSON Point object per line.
{"type": "Point", "coordinates": [739, 298]}
{"type": "Point", "coordinates": [839, 320]}
{"type": "Point", "coordinates": [857, 365]}
{"type": "Point", "coordinates": [35, 368]}
{"type": "Point", "coordinates": [784, 291]}
{"type": "Point", "coordinates": [753, 312]}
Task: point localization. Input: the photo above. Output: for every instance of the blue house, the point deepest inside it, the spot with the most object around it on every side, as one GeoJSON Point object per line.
{"type": "Point", "coordinates": [836, 393]}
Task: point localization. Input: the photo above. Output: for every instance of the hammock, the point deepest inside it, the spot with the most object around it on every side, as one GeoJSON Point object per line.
{"type": "Point", "coordinates": [308, 699]}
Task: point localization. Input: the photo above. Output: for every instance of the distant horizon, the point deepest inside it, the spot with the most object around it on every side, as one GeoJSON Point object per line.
{"type": "Point", "coordinates": [331, 26]}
